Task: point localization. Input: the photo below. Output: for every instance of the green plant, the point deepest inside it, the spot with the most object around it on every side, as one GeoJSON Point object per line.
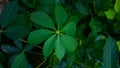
{"type": "Point", "coordinates": [60, 34]}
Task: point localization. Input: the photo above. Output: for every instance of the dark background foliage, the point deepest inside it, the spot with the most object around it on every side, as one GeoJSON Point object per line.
{"type": "Point", "coordinates": [97, 34]}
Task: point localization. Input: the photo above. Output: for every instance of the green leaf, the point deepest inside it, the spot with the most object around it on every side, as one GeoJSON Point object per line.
{"type": "Point", "coordinates": [68, 42]}
{"type": "Point", "coordinates": [16, 32]}
{"type": "Point", "coordinates": [38, 36]}
{"type": "Point", "coordinates": [118, 44]}
{"type": "Point", "coordinates": [20, 61]}
{"type": "Point", "coordinates": [117, 6]}
{"type": "Point", "coordinates": [42, 19]}
{"type": "Point", "coordinates": [70, 28]}
{"type": "Point", "coordinates": [29, 3]}
{"type": "Point", "coordinates": [59, 49]}
{"type": "Point", "coordinates": [110, 54]}
{"type": "Point", "coordinates": [49, 46]}
{"type": "Point", "coordinates": [110, 14]}
{"type": "Point", "coordinates": [9, 12]}
{"type": "Point", "coordinates": [1, 66]}
{"type": "Point", "coordinates": [61, 15]}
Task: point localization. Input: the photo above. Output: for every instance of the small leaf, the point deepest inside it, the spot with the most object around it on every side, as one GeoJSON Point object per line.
{"type": "Point", "coordinates": [42, 19]}
{"type": "Point", "coordinates": [70, 28]}
{"type": "Point", "coordinates": [16, 32]}
{"type": "Point", "coordinates": [110, 54]}
{"type": "Point", "coordinates": [68, 42]}
{"type": "Point", "coordinates": [61, 15]}
{"type": "Point", "coordinates": [1, 66]}
{"type": "Point", "coordinates": [20, 61]}
{"type": "Point", "coordinates": [117, 6]}
{"type": "Point", "coordinates": [28, 48]}
{"type": "Point", "coordinates": [110, 14]}
{"type": "Point", "coordinates": [49, 46]}
{"type": "Point", "coordinates": [9, 12]}
{"type": "Point", "coordinates": [38, 36]}
{"type": "Point", "coordinates": [18, 43]}
{"type": "Point", "coordinates": [9, 49]}
{"type": "Point", "coordinates": [59, 49]}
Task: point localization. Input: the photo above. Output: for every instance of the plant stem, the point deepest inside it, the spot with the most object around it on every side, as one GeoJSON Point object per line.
{"type": "Point", "coordinates": [41, 64]}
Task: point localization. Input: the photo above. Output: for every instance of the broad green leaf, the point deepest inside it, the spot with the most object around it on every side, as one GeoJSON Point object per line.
{"type": "Point", "coordinates": [38, 36]}
{"type": "Point", "coordinates": [59, 49]}
{"type": "Point", "coordinates": [110, 14]}
{"type": "Point", "coordinates": [70, 59]}
{"type": "Point", "coordinates": [20, 61]}
{"type": "Point", "coordinates": [9, 12]}
{"type": "Point", "coordinates": [117, 6]}
{"type": "Point", "coordinates": [42, 19]}
{"type": "Point", "coordinates": [69, 43]}
{"type": "Point", "coordinates": [49, 46]}
{"type": "Point", "coordinates": [1, 66]}
{"type": "Point", "coordinates": [110, 54]}
{"type": "Point", "coordinates": [70, 28]}
{"type": "Point", "coordinates": [118, 44]}
{"type": "Point", "coordinates": [16, 32]}
{"type": "Point", "coordinates": [9, 49]}
{"type": "Point", "coordinates": [61, 15]}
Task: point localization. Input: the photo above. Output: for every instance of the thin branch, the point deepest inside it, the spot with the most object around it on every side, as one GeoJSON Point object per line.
{"type": "Point", "coordinates": [41, 64]}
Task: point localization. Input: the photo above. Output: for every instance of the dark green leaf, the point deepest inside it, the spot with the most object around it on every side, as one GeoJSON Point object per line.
{"type": "Point", "coordinates": [18, 43]}
{"type": "Point", "coordinates": [70, 28]}
{"type": "Point", "coordinates": [59, 49]}
{"type": "Point", "coordinates": [110, 54]}
{"type": "Point", "coordinates": [69, 43]}
{"type": "Point", "coordinates": [49, 46]}
{"type": "Point", "coordinates": [9, 12]}
{"type": "Point", "coordinates": [20, 61]}
{"type": "Point", "coordinates": [1, 66]}
{"type": "Point", "coordinates": [16, 32]}
{"type": "Point", "coordinates": [38, 36]}
{"type": "Point", "coordinates": [61, 15]}
{"type": "Point", "coordinates": [42, 19]}
{"type": "Point", "coordinates": [9, 49]}
{"type": "Point", "coordinates": [28, 48]}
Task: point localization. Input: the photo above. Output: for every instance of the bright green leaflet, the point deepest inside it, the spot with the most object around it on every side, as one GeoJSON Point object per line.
{"type": "Point", "coordinates": [38, 36]}
{"type": "Point", "coordinates": [42, 19]}
{"type": "Point", "coordinates": [70, 28]}
{"type": "Point", "coordinates": [118, 44]}
{"type": "Point", "coordinates": [9, 12]}
{"type": "Point", "coordinates": [61, 15]}
{"type": "Point", "coordinates": [49, 46]}
{"type": "Point", "coordinates": [20, 61]}
{"type": "Point", "coordinates": [110, 14]}
{"type": "Point", "coordinates": [59, 49]}
{"type": "Point", "coordinates": [69, 43]}
{"type": "Point", "coordinates": [117, 6]}
{"type": "Point", "coordinates": [110, 54]}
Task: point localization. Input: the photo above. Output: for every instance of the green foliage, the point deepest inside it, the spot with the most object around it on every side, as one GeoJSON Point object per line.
{"type": "Point", "coordinates": [60, 34]}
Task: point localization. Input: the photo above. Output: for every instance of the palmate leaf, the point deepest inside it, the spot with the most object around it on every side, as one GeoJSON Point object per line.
{"type": "Point", "coordinates": [38, 36]}
{"type": "Point", "coordinates": [61, 15]}
{"type": "Point", "coordinates": [9, 12]}
{"type": "Point", "coordinates": [49, 46]}
{"type": "Point", "coordinates": [69, 43]}
{"type": "Point", "coordinates": [42, 19]}
{"type": "Point", "coordinates": [59, 49]}
{"type": "Point", "coordinates": [70, 28]}
{"type": "Point", "coordinates": [20, 61]}
{"type": "Point", "coordinates": [110, 54]}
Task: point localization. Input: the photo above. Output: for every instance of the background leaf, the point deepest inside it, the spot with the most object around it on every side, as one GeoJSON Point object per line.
{"type": "Point", "coordinates": [110, 54]}
{"type": "Point", "coordinates": [9, 12]}
{"type": "Point", "coordinates": [20, 61]}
